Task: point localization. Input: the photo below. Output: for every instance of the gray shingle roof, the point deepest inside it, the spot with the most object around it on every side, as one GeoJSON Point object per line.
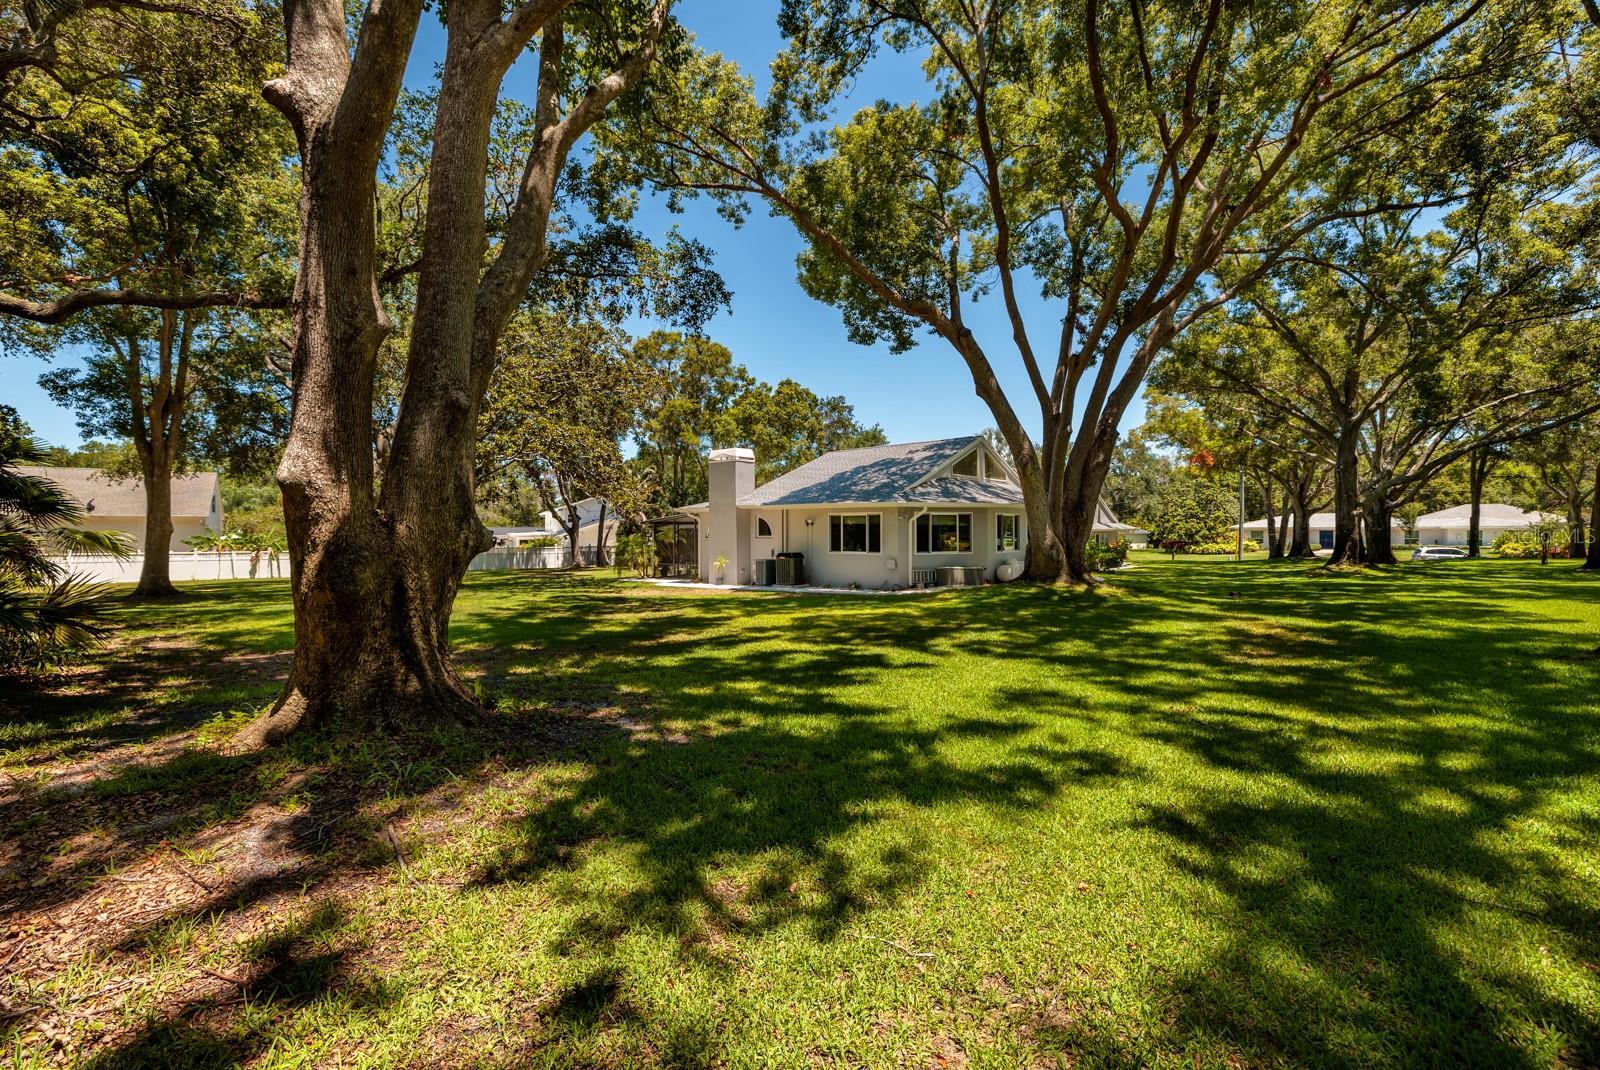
{"type": "Point", "coordinates": [869, 474]}
{"type": "Point", "coordinates": [191, 494]}
{"type": "Point", "coordinates": [888, 475]}
{"type": "Point", "coordinates": [1497, 513]}
{"type": "Point", "coordinates": [1106, 520]}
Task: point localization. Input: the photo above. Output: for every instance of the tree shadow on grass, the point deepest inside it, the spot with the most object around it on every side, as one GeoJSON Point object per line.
{"type": "Point", "coordinates": [224, 646]}
{"type": "Point", "coordinates": [292, 968]}
{"type": "Point", "coordinates": [744, 757]}
{"type": "Point", "coordinates": [1397, 833]}
{"type": "Point", "coordinates": [1360, 892]}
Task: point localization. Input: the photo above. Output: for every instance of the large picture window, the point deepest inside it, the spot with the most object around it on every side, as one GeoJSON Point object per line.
{"type": "Point", "coordinates": [1006, 526]}
{"type": "Point", "coordinates": [944, 533]}
{"type": "Point", "coordinates": [855, 533]}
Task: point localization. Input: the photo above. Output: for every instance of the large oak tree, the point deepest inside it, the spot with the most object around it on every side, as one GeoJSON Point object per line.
{"type": "Point", "coordinates": [379, 552]}
{"type": "Point", "coordinates": [1111, 157]}
{"type": "Point", "coordinates": [1400, 348]}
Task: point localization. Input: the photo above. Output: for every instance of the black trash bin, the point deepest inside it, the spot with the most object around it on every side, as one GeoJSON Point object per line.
{"type": "Point", "coordinates": [791, 569]}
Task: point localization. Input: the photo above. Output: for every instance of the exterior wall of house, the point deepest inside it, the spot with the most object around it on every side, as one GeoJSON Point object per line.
{"type": "Point", "coordinates": [1321, 536]}
{"type": "Point", "coordinates": [893, 562]}
{"type": "Point", "coordinates": [1457, 536]}
{"type": "Point", "coordinates": [132, 527]}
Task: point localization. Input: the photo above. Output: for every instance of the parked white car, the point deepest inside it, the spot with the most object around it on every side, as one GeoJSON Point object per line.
{"type": "Point", "coordinates": [1439, 553]}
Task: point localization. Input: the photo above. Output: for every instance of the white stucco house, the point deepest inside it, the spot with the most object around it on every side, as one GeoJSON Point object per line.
{"type": "Point", "coordinates": [1321, 530]}
{"type": "Point", "coordinates": [112, 504]}
{"type": "Point", "coordinates": [879, 516]}
{"type": "Point", "coordinates": [1448, 527]}
{"type": "Point", "coordinates": [597, 526]}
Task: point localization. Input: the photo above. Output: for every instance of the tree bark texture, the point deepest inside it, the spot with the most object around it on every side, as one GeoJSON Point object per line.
{"type": "Point", "coordinates": [155, 573]}
{"type": "Point", "coordinates": [1347, 548]}
{"type": "Point", "coordinates": [1379, 517]}
{"type": "Point", "coordinates": [379, 556]}
{"type": "Point", "coordinates": [1280, 544]}
{"type": "Point", "coordinates": [157, 424]}
{"type": "Point", "coordinates": [1477, 472]}
{"type": "Point", "coordinates": [1591, 559]}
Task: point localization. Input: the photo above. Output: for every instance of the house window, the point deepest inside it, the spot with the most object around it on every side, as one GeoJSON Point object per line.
{"type": "Point", "coordinates": [944, 533]}
{"type": "Point", "coordinates": [855, 533]}
{"type": "Point", "coordinates": [1006, 526]}
{"type": "Point", "coordinates": [966, 466]}
{"type": "Point", "coordinates": [763, 529]}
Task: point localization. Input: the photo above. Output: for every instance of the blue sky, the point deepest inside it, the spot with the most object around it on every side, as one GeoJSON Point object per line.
{"type": "Point", "coordinates": [772, 327]}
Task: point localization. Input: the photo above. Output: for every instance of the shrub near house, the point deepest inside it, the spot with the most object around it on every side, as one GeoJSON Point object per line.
{"type": "Point", "coordinates": [1105, 556]}
{"type": "Point", "coordinates": [1525, 544]}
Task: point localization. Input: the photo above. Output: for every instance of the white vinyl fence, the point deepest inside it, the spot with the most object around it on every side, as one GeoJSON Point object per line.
{"type": "Point", "coordinates": [238, 565]}
{"type": "Point", "coordinates": [246, 565]}
{"type": "Point", "coordinates": [501, 559]}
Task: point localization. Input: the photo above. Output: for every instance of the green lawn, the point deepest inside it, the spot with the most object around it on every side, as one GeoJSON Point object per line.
{"type": "Point", "coordinates": [1210, 815]}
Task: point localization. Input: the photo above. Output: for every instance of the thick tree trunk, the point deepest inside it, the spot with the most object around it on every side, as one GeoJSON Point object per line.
{"type": "Point", "coordinates": [1380, 542]}
{"type": "Point", "coordinates": [1477, 473]}
{"type": "Point", "coordinates": [155, 574]}
{"type": "Point", "coordinates": [371, 590]}
{"type": "Point", "coordinates": [1347, 549]}
{"type": "Point", "coordinates": [1272, 527]}
{"type": "Point", "coordinates": [1300, 541]}
{"type": "Point", "coordinates": [1591, 559]}
{"type": "Point", "coordinates": [1280, 544]}
{"type": "Point", "coordinates": [376, 575]}
{"type": "Point", "coordinates": [1044, 559]}
{"type": "Point", "coordinates": [1080, 501]}
{"type": "Point", "coordinates": [1577, 538]}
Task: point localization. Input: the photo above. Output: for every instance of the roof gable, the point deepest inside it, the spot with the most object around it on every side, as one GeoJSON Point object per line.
{"type": "Point", "coordinates": [869, 474]}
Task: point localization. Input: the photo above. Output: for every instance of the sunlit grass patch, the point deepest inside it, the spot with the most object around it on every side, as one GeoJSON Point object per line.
{"type": "Point", "coordinates": [1213, 814]}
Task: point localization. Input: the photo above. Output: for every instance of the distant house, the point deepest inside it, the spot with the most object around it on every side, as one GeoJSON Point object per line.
{"type": "Point", "coordinates": [590, 534]}
{"type": "Point", "coordinates": [1448, 527]}
{"type": "Point", "coordinates": [1321, 530]}
{"type": "Point", "coordinates": [511, 537]}
{"type": "Point", "coordinates": [112, 504]}
{"type": "Point", "coordinates": [878, 516]}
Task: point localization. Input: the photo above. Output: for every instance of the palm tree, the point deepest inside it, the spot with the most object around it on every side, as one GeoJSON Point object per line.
{"type": "Point", "coordinates": [46, 614]}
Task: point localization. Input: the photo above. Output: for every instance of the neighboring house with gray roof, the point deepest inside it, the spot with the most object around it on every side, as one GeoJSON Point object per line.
{"type": "Point", "coordinates": [876, 516]}
{"type": "Point", "coordinates": [1450, 527]}
{"type": "Point", "coordinates": [113, 504]}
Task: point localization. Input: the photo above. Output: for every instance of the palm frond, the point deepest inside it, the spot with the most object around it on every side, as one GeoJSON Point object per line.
{"type": "Point", "coordinates": [84, 541]}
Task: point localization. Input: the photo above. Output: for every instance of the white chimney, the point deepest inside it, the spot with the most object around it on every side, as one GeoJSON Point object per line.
{"type": "Point", "coordinates": [731, 474]}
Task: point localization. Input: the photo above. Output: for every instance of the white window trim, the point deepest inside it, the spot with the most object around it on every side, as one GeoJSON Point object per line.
{"type": "Point", "coordinates": [946, 553]}
{"type": "Point", "coordinates": [856, 553]}
{"type": "Point", "coordinates": [1016, 533]}
{"type": "Point", "coordinates": [763, 520]}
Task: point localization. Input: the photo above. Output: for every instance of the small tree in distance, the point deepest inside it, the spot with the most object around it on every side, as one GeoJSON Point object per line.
{"type": "Point", "coordinates": [1192, 511]}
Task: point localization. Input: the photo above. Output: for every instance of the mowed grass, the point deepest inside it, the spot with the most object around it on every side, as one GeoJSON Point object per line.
{"type": "Point", "coordinates": [1210, 815]}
